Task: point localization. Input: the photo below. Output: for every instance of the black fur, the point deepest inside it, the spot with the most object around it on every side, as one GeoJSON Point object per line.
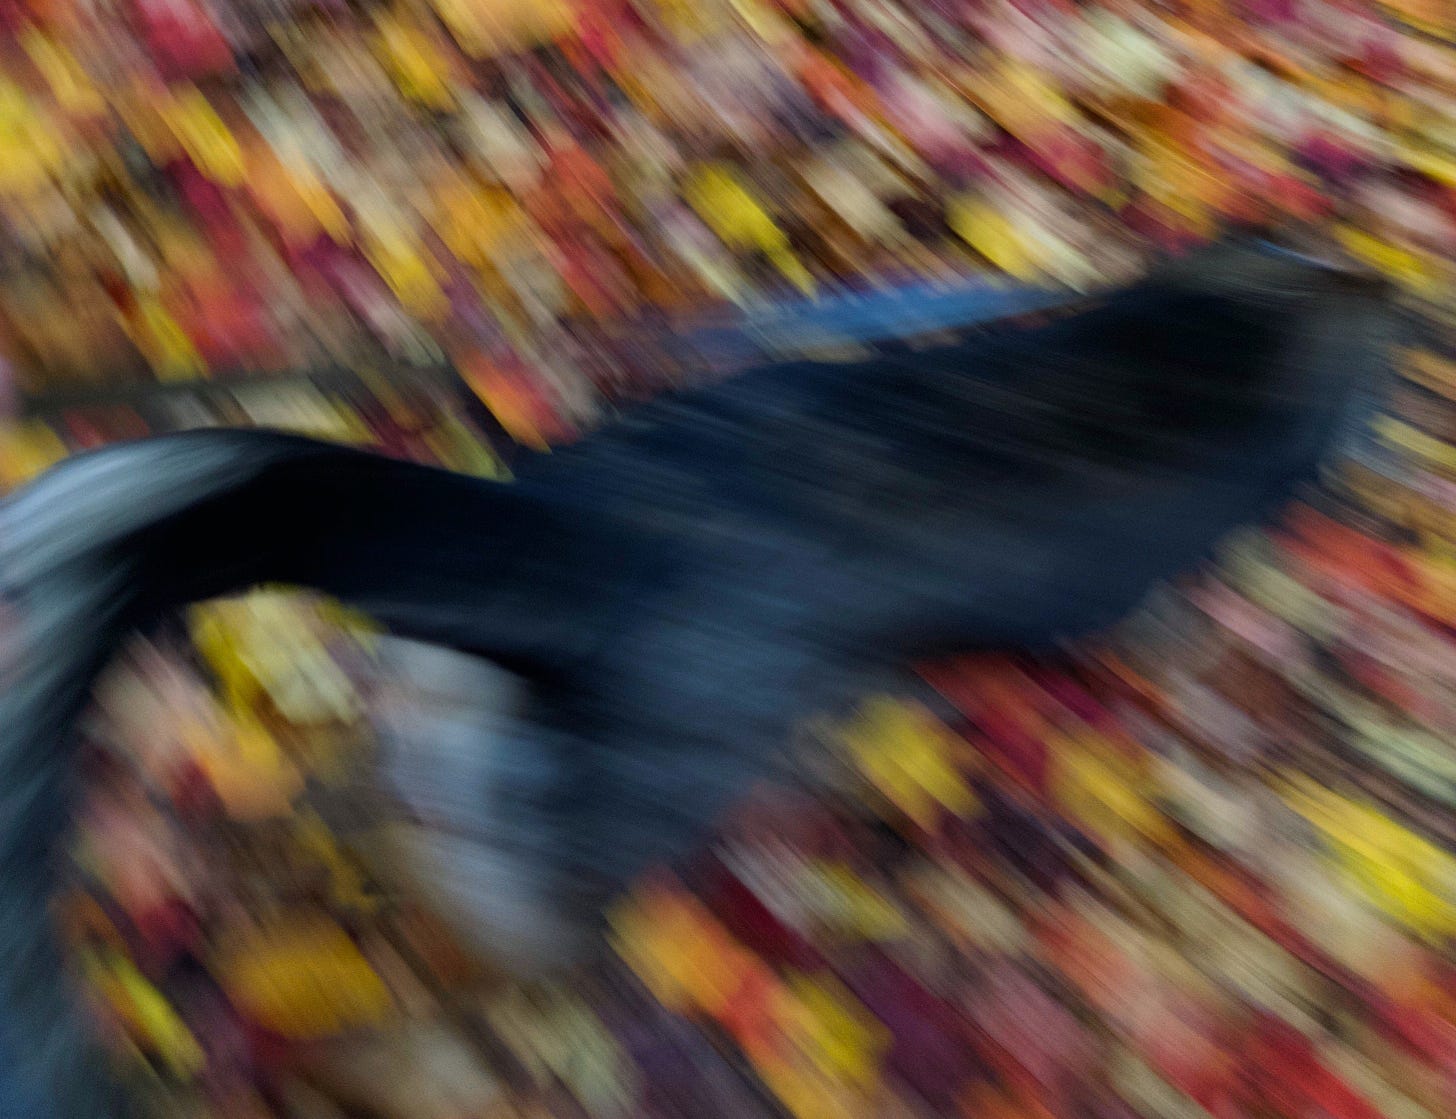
{"type": "Point", "coordinates": [681, 587]}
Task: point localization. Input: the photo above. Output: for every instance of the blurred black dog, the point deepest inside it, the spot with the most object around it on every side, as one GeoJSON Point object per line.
{"type": "Point", "coordinates": [677, 589]}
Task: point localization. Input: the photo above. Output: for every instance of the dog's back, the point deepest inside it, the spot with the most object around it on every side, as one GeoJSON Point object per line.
{"type": "Point", "coordinates": [1109, 447]}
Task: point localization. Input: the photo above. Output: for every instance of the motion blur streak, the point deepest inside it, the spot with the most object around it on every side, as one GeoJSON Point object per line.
{"type": "Point", "coordinates": [679, 588]}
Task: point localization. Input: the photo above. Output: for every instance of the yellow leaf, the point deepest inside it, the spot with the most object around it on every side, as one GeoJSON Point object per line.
{"type": "Point", "coordinates": [145, 1012]}
{"type": "Point", "coordinates": [1109, 800]}
{"type": "Point", "coordinates": [1404, 875]}
{"type": "Point", "coordinates": [408, 274]}
{"type": "Point", "coordinates": [992, 235]}
{"type": "Point", "coordinates": [27, 450]}
{"type": "Point", "coordinates": [164, 344]}
{"type": "Point", "coordinates": [1398, 263]}
{"type": "Point", "coordinates": [73, 90]}
{"type": "Point", "coordinates": [414, 62]}
{"type": "Point", "coordinates": [30, 144]}
{"type": "Point", "coordinates": [488, 27]}
{"type": "Point", "coordinates": [846, 1040]}
{"type": "Point", "coordinates": [248, 771]}
{"type": "Point", "coordinates": [302, 979]}
{"type": "Point", "coordinates": [206, 139]}
{"type": "Point", "coordinates": [729, 208]}
{"type": "Point", "coordinates": [866, 912]}
{"type": "Point", "coordinates": [904, 754]}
